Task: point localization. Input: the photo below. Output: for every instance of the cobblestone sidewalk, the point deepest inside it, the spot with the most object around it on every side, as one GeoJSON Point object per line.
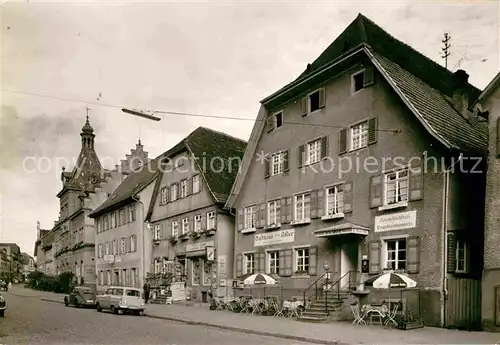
{"type": "Point", "coordinates": [322, 333]}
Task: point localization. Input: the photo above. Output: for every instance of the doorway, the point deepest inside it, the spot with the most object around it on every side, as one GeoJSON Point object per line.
{"type": "Point", "coordinates": [349, 257]}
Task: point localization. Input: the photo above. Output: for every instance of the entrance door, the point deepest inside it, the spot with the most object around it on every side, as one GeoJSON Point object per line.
{"type": "Point", "coordinates": [349, 254]}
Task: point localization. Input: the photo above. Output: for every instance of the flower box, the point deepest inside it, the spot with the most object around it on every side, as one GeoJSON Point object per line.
{"type": "Point", "coordinates": [183, 237]}
{"type": "Point", "coordinates": [209, 232]}
{"type": "Point", "coordinates": [410, 325]}
{"type": "Point", "coordinates": [172, 239]}
{"type": "Point", "coordinates": [156, 241]}
{"type": "Point", "coordinates": [194, 235]}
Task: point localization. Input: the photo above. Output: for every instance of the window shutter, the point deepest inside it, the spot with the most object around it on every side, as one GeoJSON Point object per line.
{"type": "Point", "coordinates": [289, 209]}
{"type": "Point", "coordinates": [372, 131]}
{"type": "Point", "coordinates": [300, 155]}
{"type": "Point", "coordinates": [286, 164]}
{"type": "Point", "coordinates": [167, 194]}
{"type": "Point", "coordinates": [322, 97]}
{"type": "Point", "coordinates": [189, 188]}
{"type": "Point", "coordinates": [239, 265]}
{"type": "Point", "coordinates": [261, 215]}
{"type": "Point", "coordinates": [288, 263]}
{"type": "Point", "coordinates": [413, 249]}
{"type": "Point", "coordinates": [313, 260]}
{"type": "Point", "coordinates": [240, 220]}
{"type": "Point", "coordinates": [303, 103]}
{"type": "Point", "coordinates": [498, 138]}
{"type": "Point", "coordinates": [376, 191]}
{"type": "Point", "coordinates": [267, 166]}
{"type": "Point", "coordinates": [133, 213]}
{"type": "Point", "coordinates": [343, 141]}
{"type": "Point", "coordinates": [313, 204]}
{"type": "Point", "coordinates": [324, 146]}
{"type": "Point", "coordinates": [283, 211]}
{"type": "Point", "coordinates": [368, 77]}
{"type": "Point", "coordinates": [347, 197]}
{"type": "Point", "coordinates": [204, 221]}
{"type": "Point", "coordinates": [416, 183]}
{"type": "Point", "coordinates": [262, 262]}
{"type": "Point", "coordinates": [270, 123]}
{"type": "Point", "coordinates": [375, 257]}
{"type": "Point", "coordinates": [451, 252]}
{"type": "Point", "coordinates": [321, 202]}
{"type": "Point", "coordinates": [191, 223]}
{"type": "Point", "coordinates": [281, 262]}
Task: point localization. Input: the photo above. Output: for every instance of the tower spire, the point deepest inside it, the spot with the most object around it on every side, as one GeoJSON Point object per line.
{"type": "Point", "coordinates": [87, 133]}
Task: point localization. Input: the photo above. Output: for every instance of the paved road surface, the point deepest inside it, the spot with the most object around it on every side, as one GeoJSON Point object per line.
{"type": "Point", "coordinates": [31, 321]}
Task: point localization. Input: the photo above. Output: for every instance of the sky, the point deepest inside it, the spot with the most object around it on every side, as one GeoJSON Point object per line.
{"type": "Point", "coordinates": [204, 57]}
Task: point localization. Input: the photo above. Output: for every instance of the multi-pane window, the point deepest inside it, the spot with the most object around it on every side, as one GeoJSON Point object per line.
{"type": "Point", "coordinates": [302, 260]}
{"type": "Point", "coordinates": [175, 228]}
{"type": "Point", "coordinates": [183, 190]}
{"type": "Point", "coordinates": [106, 223]}
{"type": "Point", "coordinates": [122, 217]}
{"type": "Point", "coordinates": [185, 225]}
{"type": "Point", "coordinates": [133, 243]}
{"type": "Point", "coordinates": [106, 248]}
{"type": "Point", "coordinates": [277, 163]}
{"type": "Point", "coordinates": [100, 251]}
{"type": "Point", "coordinates": [123, 245]}
{"type": "Point", "coordinates": [250, 217]}
{"type": "Point", "coordinates": [197, 223]}
{"type": "Point", "coordinates": [131, 213]}
{"type": "Point", "coordinates": [113, 220]}
{"type": "Point", "coordinates": [396, 254]}
{"type": "Point", "coordinates": [273, 212]}
{"type": "Point", "coordinates": [210, 220]}
{"type": "Point", "coordinates": [359, 136]}
{"type": "Point", "coordinates": [157, 266]}
{"type": "Point", "coordinates": [274, 262]}
{"type": "Point", "coordinates": [173, 192]}
{"type": "Point", "coordinates": [302, 207]}
{"type": "Point", "coordinates": [156, 232]}
{"type": "Point", "coordinates": [249, 264]}
{"type": "Point", "coordinates": [461, 257]}
{"type": "Point", "coordinates": [163, 195]}
{"type": "Point", "coordinates": [114, 247]}
{"type": "Point", "coordinates": [313, 151]}
{"type": "Point", "coordinates": [196, 183]}
{"type": "Point", "coordinates": [396, 187]}
{"type": "Point", "coordinates": [334, 200]}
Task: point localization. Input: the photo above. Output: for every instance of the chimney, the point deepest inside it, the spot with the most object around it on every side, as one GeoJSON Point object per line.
{"type": "Point", "coordinates": [461, 96]}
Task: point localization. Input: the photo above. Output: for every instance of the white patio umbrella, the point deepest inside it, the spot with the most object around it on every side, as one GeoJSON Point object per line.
{"type": "Point", "coordinates": [391, 280]}
{"type": "Point", "coordinates": [259, 278]}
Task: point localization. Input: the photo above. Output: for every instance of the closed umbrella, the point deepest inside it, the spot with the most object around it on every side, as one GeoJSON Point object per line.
{"type": "Point", "coordinates": [391, 280]}
{"type": "Point", "coordinates": [259, 278]}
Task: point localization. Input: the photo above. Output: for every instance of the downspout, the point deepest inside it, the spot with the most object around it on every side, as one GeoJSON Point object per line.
{"type": "Point", "coordinates": [143, 246]}
{"type": "Point", "coordinates": [444, 240]}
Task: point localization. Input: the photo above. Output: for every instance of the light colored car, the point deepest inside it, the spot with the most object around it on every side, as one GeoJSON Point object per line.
{"type": "Point", "coordinates": [121, 300]}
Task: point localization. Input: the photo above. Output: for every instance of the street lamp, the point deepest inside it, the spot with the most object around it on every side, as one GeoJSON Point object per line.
{"type": "Point", "coordinates": [141, 114]}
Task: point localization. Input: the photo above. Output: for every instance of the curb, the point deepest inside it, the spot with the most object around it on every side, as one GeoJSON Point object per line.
{"type": "Point", "coordinates": [51, 300]}
{"type": "Point", "coordinates": [248, 331]}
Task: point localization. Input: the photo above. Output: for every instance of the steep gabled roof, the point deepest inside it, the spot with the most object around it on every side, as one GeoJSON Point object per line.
{"type": "Point", "coordinates": [135, 182]}
{"type": "Point", "coordinates": [423, 85]}
{"type": "Point", "coordinates": [492, 86]}
{"type": "Point", "coordinates": [206, 145]}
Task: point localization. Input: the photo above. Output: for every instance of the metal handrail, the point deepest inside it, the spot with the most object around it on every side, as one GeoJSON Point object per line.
{"type": "Point", "coordinates": [315, 284]}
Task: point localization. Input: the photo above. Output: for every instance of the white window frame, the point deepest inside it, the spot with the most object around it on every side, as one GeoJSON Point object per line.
{"type": "Point", "coordinates": [275, 115]}
{"type": "Point", "coordinates": [278, 163]}
{"type": "Point", "coordinates": [273, 269]}
{"type": "Point", "coordinates": [211, 220]}
{"type": "Point", "coordinates": [250, 216]}
{"type": "Point", "coordinates": [114, 247]}
{"type": "Point", "coordinates": [131, 213]}
{"type": "Point", "coordinates": [156, 232]}
{"type": "Point", "coordinates": [174, 192]}
{"type": "Point", "coordinates": [197, 223]}
{"type": "Point", "coordinates": [175, 228]}
{"type": "Point", "coordinates": [185, 225]}
{"type": "Point", "coordinates": [123, 245]}
{"type": "Point", "coordinates": [358, 134]}
{"type": "Point", "coordinates": [157, 266]}
{"type": "Point", "coordinates": [246, 260]}
{"type": "Point", "coordinates": [108, 277]}
{"type": "Point", "coordinates": [196, 184]}
{"type": "Point", "coordinates": [397, 186]}
{"type": "Point", "coordinates": [299, 200]}
{"type": "Point", "coordinates": [106, 248]}
{"type": "Point", "coordinates": [338, 199]}
{"type": "Point", "coordinates": [183, 189]}
{"type": "Point", "coordinates": [274, 212]}
{"type": "Point", "coordinates": [461, 256]}
{"type": "Point", "coordinates": [163, 195]}
{"type": "Point", "coordinates": [300, 253]}
{"type": "Point", "coordinates": [397, 251]}
{"type": "Point", "coordinates": [101, 277]}
{"type": "Point", "coordinates": [133, 243]}
{"type": "Point", "coordinates": [313, 151]}
{"type": "Point", "coordinates": [100, 251]}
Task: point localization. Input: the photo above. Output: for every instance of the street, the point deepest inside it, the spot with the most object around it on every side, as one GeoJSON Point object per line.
{"type": "Point", "coordinates": [29, 320]}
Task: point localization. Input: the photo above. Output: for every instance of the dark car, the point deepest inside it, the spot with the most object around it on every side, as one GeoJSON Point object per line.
{"type": "Point", "coordinates": [4, 285]}
{"type": "Point", "coordinates": [81, 297]}
{"type": "Point", "coordinates": [3, 306]}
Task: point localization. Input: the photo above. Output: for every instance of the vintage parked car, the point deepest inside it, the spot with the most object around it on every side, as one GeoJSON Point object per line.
{"type": "Point", "coordinates": [121, 300]}
{"type": "Point", "coordinates": [3, 306]}
{"type": "Point", "coordinates": [4, 285]}
{"type": "Point", "coordinates": [81, 297]}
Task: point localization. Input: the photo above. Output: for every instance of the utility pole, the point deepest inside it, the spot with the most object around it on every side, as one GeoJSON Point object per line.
{"type": "Point", "coordinates": [446, 49]}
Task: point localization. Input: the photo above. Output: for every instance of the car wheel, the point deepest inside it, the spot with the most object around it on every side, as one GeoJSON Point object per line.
{"type": "Point", "coordinates": [66, 301]}
{"type": "Point", "coordinates": [98, 307]}
{"type": "Point", "coordinates": [114, 310]}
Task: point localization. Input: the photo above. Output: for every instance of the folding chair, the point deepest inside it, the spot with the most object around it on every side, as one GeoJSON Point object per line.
{"type": "Point", "coordinates": [219, 303]}
{"type": "Point", "coordinates": [279, 309]}
{"type": "Point", "coordinates": [391, 316]}
{"type": "Point", "coordinates": [357, 315]}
